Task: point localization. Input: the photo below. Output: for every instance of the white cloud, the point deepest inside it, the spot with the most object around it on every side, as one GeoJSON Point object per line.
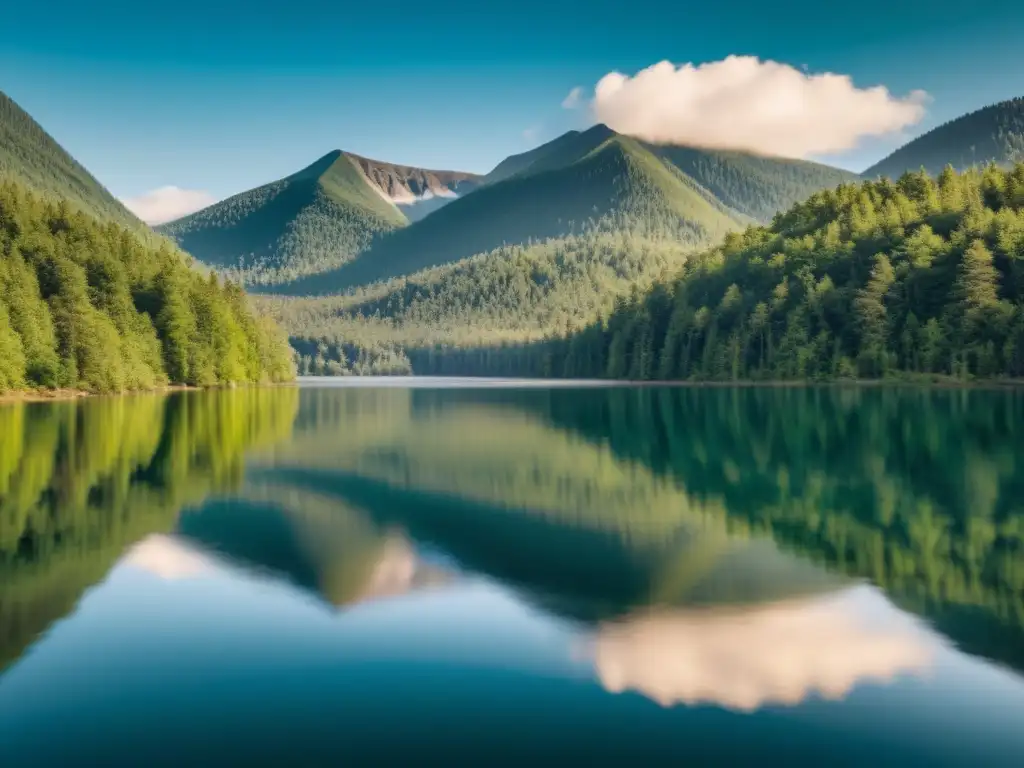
{"type": "Point", "coordinates": [574, 99]}
{"type": "Point", "coordinates": [167, 203]}
{"type": "Point", "coordinates": [531, 133]}
{"type": "Point", "coordinates": [742, 102]}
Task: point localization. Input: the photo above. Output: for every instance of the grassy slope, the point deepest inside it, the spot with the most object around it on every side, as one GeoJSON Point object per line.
{"type": "Point", "coordinates": [310, 221]}
{"type": "Point", "coordinates": [29, 155]}
{"type": "Point", "coordinates": [993, 134]}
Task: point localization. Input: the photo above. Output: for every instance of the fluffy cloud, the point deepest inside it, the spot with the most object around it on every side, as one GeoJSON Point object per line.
{"type": "Point", "coordinates": [742, 102]}
{"type": "Point", "coordinates": [574, 99]}
{"type": "Point", "coordinates": [168, 203]}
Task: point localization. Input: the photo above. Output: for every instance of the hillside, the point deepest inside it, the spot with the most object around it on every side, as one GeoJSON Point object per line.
{"type": "Point", "coordinates": [509, 295]}
{"type": "Point", "coordinates": [340, 224]}
{"type": "Point", "coordinates": [598, 182]}
{"type": "Point", "coordinates": [310, 221]}
{"type": "Point", "coordinates": [924, 277]}
{"type": "Point", "coordinates": [30, 156]}
{"type": "Point", "coordinates": [89, 305]}
{"type": "Point", "coordinates": [994, 134]}
{"type": "Point", "coordinates": [515, 164]}
{"type": "Point", "coordinates": [313, 220]}
{"type": "Point", "coordinates": [572, 226]}
{"type": "Point", "coordinates": [754, 185]}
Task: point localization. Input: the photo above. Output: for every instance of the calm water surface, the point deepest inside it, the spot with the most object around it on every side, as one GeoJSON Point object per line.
{"type": "Point", "coordinates": [489, 575]}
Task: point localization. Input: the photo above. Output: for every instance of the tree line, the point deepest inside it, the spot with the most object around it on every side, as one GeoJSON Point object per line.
{"type": "Point", "coordinates": [923, 276]}
{"type": "Point", "coordinates": [92, 306]}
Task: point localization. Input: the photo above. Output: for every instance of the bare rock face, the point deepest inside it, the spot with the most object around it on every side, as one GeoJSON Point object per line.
{"type": "Point", "coordinates": [416, 191]}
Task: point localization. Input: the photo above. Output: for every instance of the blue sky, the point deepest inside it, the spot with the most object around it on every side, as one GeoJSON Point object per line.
{"type": "Point", "coordinates": [222, 97]}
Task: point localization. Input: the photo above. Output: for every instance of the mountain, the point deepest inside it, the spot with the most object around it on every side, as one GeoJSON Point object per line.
{"type": "Point", "coordinates": [596, 181]}
{"type": "Point", "coordinates": [757, 186]}
{"type": "Point", "coordinates": [313, 220]}
{"type": "Point", "coordinates": [550, 242]}
{"type": "Point", "coordinates": [754, 185]}
{"type": "Point", "coordinates": [341, 222]}
{"type": "Point", "coordinates": [30, 156]}
{"type": "Point", "coordinates": [922, 278]}
{"type": "Point", "coordinates": [994, 134]}
{"type": "Point", "coordinates": [514, 164]}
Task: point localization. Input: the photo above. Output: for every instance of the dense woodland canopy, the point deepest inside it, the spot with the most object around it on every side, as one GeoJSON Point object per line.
{"type": "Point", "coordinates": [506, 295]}
{"type": "Point", "coordinates": [920, 276]}
{"type": "Point", "coordinates": [89, 305]}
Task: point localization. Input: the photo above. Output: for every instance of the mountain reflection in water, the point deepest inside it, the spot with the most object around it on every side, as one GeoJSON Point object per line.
{"type": "Point", "coordinates": [502, 557]}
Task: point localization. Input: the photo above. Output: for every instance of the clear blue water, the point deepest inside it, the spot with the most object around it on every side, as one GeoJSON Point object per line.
{"type": "Point", "coordinates": [494, 575]}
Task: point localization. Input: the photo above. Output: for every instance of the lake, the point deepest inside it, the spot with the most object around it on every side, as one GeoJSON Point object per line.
{"type": "Point", "coordinates": [378, 573]}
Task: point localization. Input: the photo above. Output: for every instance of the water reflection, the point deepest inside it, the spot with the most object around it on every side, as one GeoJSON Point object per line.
{"type": "Point", "coordinates": [775, 654]}
{"type": "Point", "coordinates": [738, 550]}
{"type": "Point", "coordinates": [80, 482]}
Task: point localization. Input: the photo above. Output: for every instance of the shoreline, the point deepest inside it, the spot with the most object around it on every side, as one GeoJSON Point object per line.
{"type": "Point", "coordinates": [64, 395]}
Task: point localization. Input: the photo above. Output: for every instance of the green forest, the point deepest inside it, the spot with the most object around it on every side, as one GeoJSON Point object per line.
{"type": "Point", "coordinates": [89, 305]}
{"type": "Point", "coordinates": [918, 277]}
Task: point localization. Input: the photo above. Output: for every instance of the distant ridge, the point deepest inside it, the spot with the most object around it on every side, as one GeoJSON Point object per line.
{"type": "Point", "coordinates": [30, 156]}
{"type": "Point", "coordinates": [993, 134]}
{"type": "Point", "coordinates": [590, 181]}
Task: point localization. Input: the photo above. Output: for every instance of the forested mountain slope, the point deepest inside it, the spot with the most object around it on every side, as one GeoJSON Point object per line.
{"type": "Point", "coordinates": [310, 221]}
{"type": "Point", "coordinates": [30, 156]}
{"type": "Point", "coordinates": [339, 224]}
{"type": "Point", "coordinates": [90, 305]}
{"type": "Point", "coordinates": [924, 276]}
{"type": "Point", "coordinates": [994, 134]}
{"type": "Point", "coordinates": [754, 185]}
{"type": "Point", "coordinates": [615, 186]}
{"type": "Point", "coordinates": [515, 164]}
{"type": "Point", "coordinates": [584, 219]}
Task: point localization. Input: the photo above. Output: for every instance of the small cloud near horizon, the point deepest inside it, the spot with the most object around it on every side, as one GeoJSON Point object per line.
{"type": "Point", "coordinates": [573, 99]}
{"type": "Point", "coordinates": [164, 204]}
{"type": "Point", "coordinates": [742, 102]}
{"type": "Point", "coordinates": [531, 133]}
